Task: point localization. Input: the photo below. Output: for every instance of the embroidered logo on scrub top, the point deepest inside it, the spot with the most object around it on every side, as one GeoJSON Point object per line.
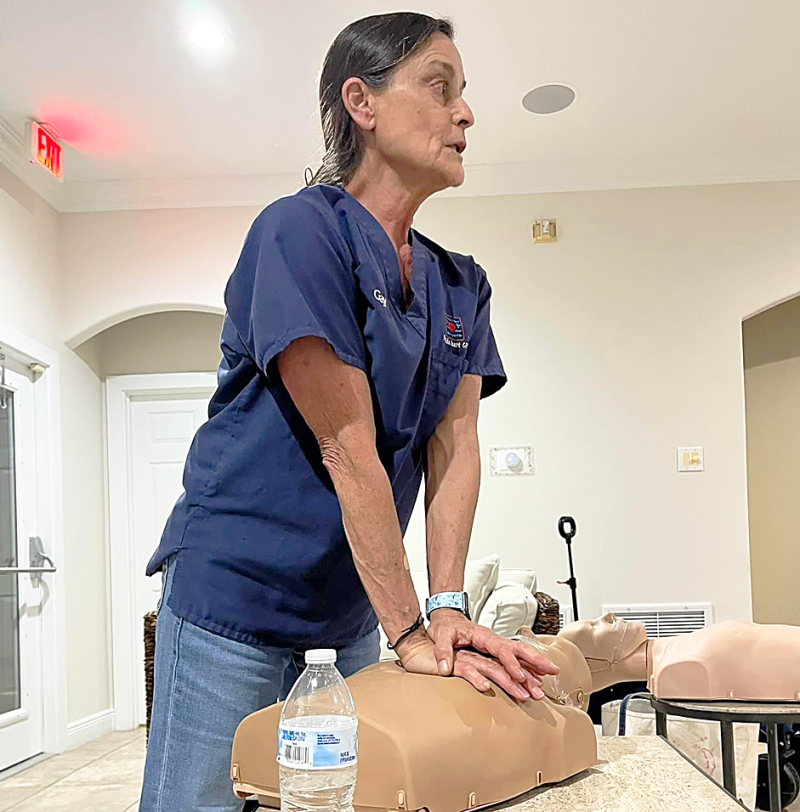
{"type": "Point", "coordinates": [379, 296]}
{"type": "Point", "coordinates": [454, 333]}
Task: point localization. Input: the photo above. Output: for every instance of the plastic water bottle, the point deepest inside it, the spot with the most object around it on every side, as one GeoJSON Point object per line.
{"type": "Point", "coordinates": [318, 740]}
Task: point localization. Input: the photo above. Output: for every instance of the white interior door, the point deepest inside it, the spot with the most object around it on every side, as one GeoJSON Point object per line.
{"type": "Point", "coordinates": [22, 596]}
{"type": "Point", "coordinates": [162, 429]}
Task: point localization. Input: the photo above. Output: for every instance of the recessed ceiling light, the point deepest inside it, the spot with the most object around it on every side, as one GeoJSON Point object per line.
{"type": "Point", "coordinates": [548, 99]}
{"type": "Point", "coordinates": [206, 35]}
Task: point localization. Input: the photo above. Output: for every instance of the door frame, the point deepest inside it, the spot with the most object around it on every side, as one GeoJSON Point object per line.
{"type": "Point", "coordinates": [23, 349]}
{"type": "Point", "coordinates": [121, 391]}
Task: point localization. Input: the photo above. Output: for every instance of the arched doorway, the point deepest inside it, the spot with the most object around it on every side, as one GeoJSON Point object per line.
{"type": "Point", "coordinates": [771, 344]}
{"type": "Point", "coordinates": [159, 372]}
{"type": "Point", "coordinates": [156, 342]}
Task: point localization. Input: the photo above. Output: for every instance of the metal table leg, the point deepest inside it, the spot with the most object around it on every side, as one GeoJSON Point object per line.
{"type": "Point", "coordinates": [774, 768]}
{"type": "Point", "coordinates": [728, 758]}
{"type": "Point", "coordinates": [661, 724]}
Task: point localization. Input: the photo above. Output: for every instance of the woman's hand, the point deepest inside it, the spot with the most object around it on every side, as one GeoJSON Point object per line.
{"type": "Point", "coordinates": [418, 655]}
{"type": "Point", "coordinates": [451, 630]}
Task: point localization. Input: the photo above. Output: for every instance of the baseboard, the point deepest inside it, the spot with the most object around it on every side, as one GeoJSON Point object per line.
{"type": "Point", "coordinates": [90, 728]}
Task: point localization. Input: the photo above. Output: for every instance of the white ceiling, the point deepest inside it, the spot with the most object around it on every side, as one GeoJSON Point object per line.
{"type": "Point", "coordinates": [685, 92]}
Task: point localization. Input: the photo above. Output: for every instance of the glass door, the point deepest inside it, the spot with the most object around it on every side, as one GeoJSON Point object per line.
{"type": "Point", "coordinates": [22, 594]}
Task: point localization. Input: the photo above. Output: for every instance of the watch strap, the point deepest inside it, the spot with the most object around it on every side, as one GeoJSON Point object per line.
{"type": "Point", "coordinates": [448, 600]}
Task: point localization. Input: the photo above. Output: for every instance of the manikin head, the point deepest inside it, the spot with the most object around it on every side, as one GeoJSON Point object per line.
{"type": "Point", "coordinates": [606, 643]}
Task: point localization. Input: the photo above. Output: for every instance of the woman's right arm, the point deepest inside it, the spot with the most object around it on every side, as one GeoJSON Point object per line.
{"type": "Point", "coordinates": [335, 400]}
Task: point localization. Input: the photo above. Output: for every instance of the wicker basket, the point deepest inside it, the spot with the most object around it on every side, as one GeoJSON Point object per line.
{"type": "Point", "coordinates": [149, 660]}
{"type": "Point", "coordinates": [547, 620]}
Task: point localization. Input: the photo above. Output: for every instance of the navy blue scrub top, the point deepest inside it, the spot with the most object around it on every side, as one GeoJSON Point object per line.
{"type": "Point", "coordinates": [262, 555]}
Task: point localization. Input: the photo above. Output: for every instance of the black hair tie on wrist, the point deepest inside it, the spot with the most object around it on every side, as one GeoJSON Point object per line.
{"type": "Point", "coordinates": [418, 624]}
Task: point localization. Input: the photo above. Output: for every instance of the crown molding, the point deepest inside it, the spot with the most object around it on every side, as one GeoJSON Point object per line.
{"type": "Point", "coordinates": [183, 193]}
{"type": "Point", "coordinates": [481, 180]}
{"type": "Point", "coordinates": [536, 177]}
{"type": "Point", "coordinates": [14, 156]}
{"type": "Point", "coordinates": [12, 147]}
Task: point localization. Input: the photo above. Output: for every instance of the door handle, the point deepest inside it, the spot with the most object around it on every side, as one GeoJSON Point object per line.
{"type": "Point", "coordinates": [24, 570]}
{"type": "Point", "coordinates": [37, 559]}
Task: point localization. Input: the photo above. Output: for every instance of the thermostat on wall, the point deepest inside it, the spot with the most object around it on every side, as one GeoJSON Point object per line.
{"type": "Point", "coordinates": [515, 461]}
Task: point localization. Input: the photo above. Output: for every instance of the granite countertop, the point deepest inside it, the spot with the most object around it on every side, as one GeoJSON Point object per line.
{"type": "Point", "coordinates": [633, 774]}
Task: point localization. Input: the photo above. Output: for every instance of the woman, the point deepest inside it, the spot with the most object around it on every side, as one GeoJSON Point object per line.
{"type": "Point", "coordinates": [355, 352]}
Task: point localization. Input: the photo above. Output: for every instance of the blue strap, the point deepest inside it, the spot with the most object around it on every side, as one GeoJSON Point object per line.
{"type": "Point", "coordinates": [623, 710]}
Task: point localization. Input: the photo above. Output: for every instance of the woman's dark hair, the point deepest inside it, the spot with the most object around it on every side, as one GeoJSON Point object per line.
{"type": "Point", "coordinates": [370, 49]}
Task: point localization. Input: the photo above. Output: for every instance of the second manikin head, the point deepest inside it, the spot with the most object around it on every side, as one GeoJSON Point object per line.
{"type": "Point", "coordinates": [607, 643]}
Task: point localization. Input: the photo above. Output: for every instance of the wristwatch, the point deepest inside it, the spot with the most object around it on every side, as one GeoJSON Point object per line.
{"type": "Point", "coordinates": [448, 600]}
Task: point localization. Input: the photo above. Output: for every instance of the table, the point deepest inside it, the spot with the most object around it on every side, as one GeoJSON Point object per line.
{"type": "Point", "coordinates": [641, 773]}
{"type": "Point", "coordinates": [726, 713]}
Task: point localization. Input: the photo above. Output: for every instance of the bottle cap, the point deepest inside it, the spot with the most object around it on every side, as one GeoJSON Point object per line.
{"type": "Point", "coordinates": [321, 656]}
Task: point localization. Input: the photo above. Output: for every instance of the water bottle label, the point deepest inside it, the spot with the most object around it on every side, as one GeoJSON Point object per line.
{"type": "Point", "coordinates": [318, 747]}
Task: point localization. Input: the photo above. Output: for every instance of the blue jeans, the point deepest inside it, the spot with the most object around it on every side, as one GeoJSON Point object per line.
{"type": "Point", "coordinates": [204, 685]}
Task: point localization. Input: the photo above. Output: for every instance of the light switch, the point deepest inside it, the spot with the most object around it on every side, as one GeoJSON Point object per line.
{"type": "Point", "coordinates": [511, 461]}
{"type": "Point", "coordinates": [544, 231]}
{"type": "Point", "coordinates": [690, 459]}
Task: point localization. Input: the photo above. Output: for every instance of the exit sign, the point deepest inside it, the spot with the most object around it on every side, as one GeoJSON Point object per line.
{"type": "Point", "coordinates": [45, 150]}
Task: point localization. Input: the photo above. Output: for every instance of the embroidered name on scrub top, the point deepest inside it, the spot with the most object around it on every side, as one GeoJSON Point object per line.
{"type": "Point", "coordinates": [261, 553]}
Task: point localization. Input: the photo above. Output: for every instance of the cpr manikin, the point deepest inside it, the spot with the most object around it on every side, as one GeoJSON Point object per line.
{"type": "Point", "coordinates": [438, 744]}
{"type": "Point", "coordinates": [730, 660]}
{"type": "Point", "coordinates": [434, 743]}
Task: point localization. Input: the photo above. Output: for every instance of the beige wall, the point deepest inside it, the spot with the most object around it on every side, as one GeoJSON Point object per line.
{"type": "Point", "coordinates": [28, 262]}
{"type": "Point", "coordinates": [772, 336]}
{"type": "Point", "coordinates": [30, 289]}
{"type": "Point", "coordinates": [772, 394]}
{"type": "Point", "coordinates": [172, 341]}
{"type": "Point", "coordinates": [622, 342]}
{"type": "Point", "coordinates": [128, 263]}
{"type": "Point", "coordinates": [85, 550]}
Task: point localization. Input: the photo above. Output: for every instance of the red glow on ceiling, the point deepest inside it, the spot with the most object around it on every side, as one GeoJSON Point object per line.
{"type": "Point", "coordinates": [82, 128]}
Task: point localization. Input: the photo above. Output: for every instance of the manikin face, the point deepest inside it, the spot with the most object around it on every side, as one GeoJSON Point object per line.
{"type": "Point", "coordinates": [605, 638]}
{"type": "Point", "coordinates": [420, 116]}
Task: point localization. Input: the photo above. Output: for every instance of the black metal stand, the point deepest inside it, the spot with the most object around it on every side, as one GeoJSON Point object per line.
{"type": "Point", "coordinates": [726, 713]}
{"type": "Point", "coordinates": [567, 528]}
{"type": "Point", "coordinates": [773, 756]}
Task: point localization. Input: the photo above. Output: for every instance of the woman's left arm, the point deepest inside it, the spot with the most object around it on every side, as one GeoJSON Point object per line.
{"type": "Point", "coordinates": [452, 481]}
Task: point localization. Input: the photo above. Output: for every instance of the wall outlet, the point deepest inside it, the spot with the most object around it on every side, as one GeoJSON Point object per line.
{"type": "Point", "coordinates": [511, 461]}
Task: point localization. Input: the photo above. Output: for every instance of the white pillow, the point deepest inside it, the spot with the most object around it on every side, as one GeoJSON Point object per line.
{"type": "Point", "coordinates": [386, 652]}
{"type": "Point", "coordinates": [480, 578]}
{"type": "Point", "coordinates": [518, 576]}
{"type": "Point", "coordinates": [509, 607]}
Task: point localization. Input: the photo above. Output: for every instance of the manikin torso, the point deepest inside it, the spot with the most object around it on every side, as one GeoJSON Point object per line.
{"type": "Point", "coordinates": [436, 743]}
{"type": "Point", "coordinates": [730, 660]}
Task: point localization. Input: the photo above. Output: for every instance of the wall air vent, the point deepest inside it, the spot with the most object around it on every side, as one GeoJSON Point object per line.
{"type": "Point", "coordinates": [666, 619]}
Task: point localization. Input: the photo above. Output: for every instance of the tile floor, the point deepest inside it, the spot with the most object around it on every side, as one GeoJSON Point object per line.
{"type": "Point", "coordinates": [102, 776]}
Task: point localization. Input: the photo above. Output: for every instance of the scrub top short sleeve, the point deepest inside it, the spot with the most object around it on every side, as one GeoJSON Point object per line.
{"type": "Point", "coordinates": [482, 356]}
{"type": "Point", "coordinates": [294, 279]}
